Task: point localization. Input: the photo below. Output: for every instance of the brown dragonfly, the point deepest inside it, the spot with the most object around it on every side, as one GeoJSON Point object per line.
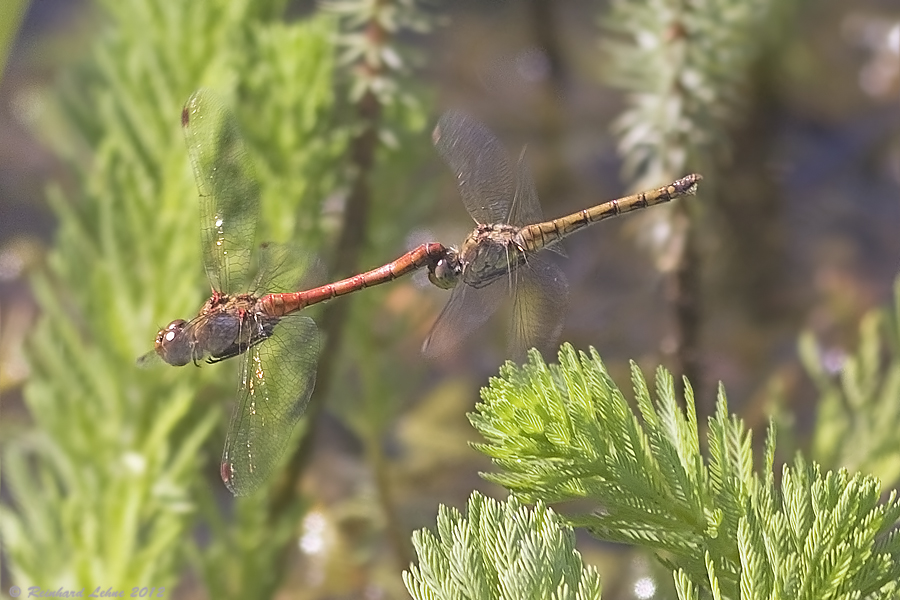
{"type": "Point", "coordinates": [255, 317]}
{"type": "Point", "coordinates": [501, 256]}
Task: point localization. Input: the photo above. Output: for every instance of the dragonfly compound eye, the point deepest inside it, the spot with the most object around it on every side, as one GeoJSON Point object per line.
{"type": "Point", "coordinates": [445, 273]}
{"type": "Point", "coordinates": [171, 346]}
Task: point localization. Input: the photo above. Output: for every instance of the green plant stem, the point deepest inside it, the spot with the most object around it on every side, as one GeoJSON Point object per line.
{"type": "Point", "coordinates": [686, 305]}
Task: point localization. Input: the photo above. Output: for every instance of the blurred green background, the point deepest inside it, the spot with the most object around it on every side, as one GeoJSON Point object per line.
{"type": "Point", "coordinates": [110, 473]}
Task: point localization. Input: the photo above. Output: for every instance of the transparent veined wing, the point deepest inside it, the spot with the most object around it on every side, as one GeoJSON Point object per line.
{"type": "Point", "coordinates": [229, 193]}
{"type": "Point", "coordinates": [539, 311]}
{"type": "Point", "coordinates": [480, 164]}
{"type": "Point", "coordinates": [277, 378]}
{"type": "Point", "coordinates": [284, 268]}
{"type": "Point", "coordinates": [526, 208]}
{"type": "Point", "coordinates": [467, 309]}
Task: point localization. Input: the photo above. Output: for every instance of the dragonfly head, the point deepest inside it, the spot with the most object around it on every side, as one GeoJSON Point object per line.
{"type": "Point", "coordinates": [172, 346]}
{"type": "Point", "coordinates": [445, 272]}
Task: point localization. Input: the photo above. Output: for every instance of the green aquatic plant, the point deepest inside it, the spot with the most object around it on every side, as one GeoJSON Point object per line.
{"type": "Point", "coordinates": [107, 485]}
{"type": "Point", "coordinates": [724, 521]}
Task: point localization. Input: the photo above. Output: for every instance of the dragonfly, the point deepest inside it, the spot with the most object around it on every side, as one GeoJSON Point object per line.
{"type": "Point", "coordinates": [501, 257]}
{"type": "Point", "coordinates": [255, 318]}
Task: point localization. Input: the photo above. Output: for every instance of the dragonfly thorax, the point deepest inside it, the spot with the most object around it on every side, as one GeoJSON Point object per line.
{"type": "Point", "coordinates": [490, 252]}
{"type": "Point", "coordinates": [226, 326]}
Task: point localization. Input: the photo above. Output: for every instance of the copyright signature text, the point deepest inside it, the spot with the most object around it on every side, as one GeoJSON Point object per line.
{"type": "Point", "coordinates": [98, 592]}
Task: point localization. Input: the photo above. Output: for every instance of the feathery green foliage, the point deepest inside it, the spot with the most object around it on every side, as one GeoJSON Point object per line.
{"type": "Point", "coordinates": [499, 550]}
{"type": "Point", "coordinates": [858, 409]}
{"type": "Point", "coordinates": [105, 489]}
{"type": "Point", "coordinates": [684, 66]}
{"type": "Point", "coordinates": [386, 61]}
{"type": "Point", "coordinates": [375, 62]}
{"type": "Point", "coordinates": [819, 536]}
{"type": "Point", "coordinates": [121, 465]}
{"type": "Point", "coordinates": [566, 432]}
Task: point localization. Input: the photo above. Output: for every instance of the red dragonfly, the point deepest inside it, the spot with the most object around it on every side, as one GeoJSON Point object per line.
{"type": "Point", "coordinates": [278, 347]}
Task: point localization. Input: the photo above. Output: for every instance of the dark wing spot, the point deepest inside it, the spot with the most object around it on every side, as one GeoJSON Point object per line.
{"type": "Point", "coordinates": [227, 472]}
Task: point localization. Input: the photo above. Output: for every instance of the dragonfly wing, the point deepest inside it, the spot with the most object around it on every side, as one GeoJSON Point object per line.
{"type": "Point", "coordinates": [480, 164]}
{"type": "Point", "coordinates": [282, 268]}
{"type": "Point", "coordinates": [277, 378]}
{"type": "Point", "coordinates": [229, 193]}
{"type": "Point", "coordinates": [526, 208]}
{"type": "Point", "coordinates": [467, 309]}
{"type": "Point", "coordinates": [539, 312]}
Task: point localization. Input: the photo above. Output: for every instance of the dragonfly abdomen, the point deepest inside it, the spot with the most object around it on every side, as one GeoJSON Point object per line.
{"type": "Point", "coordinates": [540, 235]}
{"type": "Point", "coordinates": [279, 305]}
{"type": "Point", "coordinates": [681, 187]}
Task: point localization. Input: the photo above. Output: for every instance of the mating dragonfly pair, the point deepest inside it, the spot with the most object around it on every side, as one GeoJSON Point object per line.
{"type": "Point", "coordinates": [279, 347]}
